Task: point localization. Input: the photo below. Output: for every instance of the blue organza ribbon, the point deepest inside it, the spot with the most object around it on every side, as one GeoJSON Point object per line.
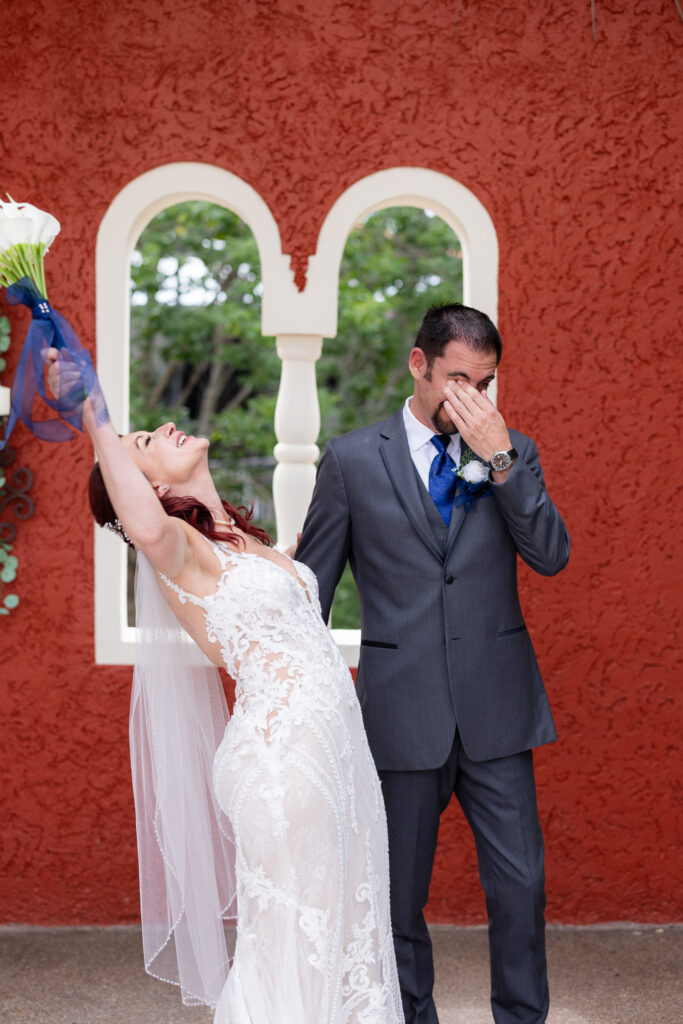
{"type": "Point", "coordinates": [467, 492]}
{"type": "Point", "coordinates": [49, 329]}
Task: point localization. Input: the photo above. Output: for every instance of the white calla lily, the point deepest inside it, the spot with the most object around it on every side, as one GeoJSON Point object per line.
{"type": "Point", "coordinates": [15, 230]}
{"type": "Point", "coordinates": [26, 233]}
{"type": "Point", "coordinates": [44, 227]}
{"type": "Point", "coordinates": [4, 238]}
{"type": "Point", "coordinates": [24, 223]}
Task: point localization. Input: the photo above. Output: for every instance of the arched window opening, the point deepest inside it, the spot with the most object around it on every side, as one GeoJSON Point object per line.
{"type": "Point", "coordinates": [396, 263]}
{"type": "Point", "coordinates": [298, 320]}
{"type": "Point", "coordinates": [197, 356]}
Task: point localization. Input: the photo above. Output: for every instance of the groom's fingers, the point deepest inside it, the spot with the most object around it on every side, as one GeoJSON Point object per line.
{"type": "Point", "coordinates": [459, 398]}
{"type": "Point", "coordinates": [457, 419]}
{"type": "Point", "coordinates": [473, 403]}
{"type": "Point", "coordinates": [463, 404]}
{"type": "Point", "coordinates": [476, 417]}
{"type": "Point", "coordinates": [471, 397]}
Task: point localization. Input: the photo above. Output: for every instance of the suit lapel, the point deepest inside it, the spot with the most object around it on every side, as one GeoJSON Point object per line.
{"type": "Point", "coordinates": [458, 516]}
{"type": "Point", "coordinates": [399, 465]}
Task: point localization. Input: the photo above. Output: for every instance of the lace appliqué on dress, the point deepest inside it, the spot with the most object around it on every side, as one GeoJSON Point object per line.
{"type": "Point", "coordinates": [296, 778]}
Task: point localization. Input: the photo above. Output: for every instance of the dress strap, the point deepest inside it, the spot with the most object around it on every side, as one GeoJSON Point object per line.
{"type": "Point", "coordinates": [219, 551]}
{"type": "Point", "coordinates": [184, 595]}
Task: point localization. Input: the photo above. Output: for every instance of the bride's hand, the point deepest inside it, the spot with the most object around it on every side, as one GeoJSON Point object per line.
{"type": "Point", "coordinates": [53, 376]}
{"type": "Point", "coordinates": [291, 550]}
{"type": "Point", "coordinates": [63, 376]}
{"type": "Point", "coordinates": [64, 379]}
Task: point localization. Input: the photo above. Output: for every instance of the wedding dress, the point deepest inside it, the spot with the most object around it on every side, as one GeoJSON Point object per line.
{"type": "Point", "coordinates": [294, 776]}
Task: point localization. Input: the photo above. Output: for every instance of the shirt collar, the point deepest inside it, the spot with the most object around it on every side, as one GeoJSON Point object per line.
{"type": "Point", "coordinates": [418, 434]}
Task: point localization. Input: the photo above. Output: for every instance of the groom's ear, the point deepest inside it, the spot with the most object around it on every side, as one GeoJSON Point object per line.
{"type": "Point", "coordinates": [417, 363]}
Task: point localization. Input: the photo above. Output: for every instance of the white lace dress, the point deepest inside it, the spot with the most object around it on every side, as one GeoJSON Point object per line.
{"type": "Point", "coordinates": [296, 778]}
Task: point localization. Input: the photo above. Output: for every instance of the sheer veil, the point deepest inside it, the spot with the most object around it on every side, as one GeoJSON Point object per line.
{"type": "Point", "coordinates": [185, 845]}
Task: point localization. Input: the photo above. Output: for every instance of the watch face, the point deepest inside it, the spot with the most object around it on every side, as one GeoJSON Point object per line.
{"type": "Point", "coordinates": [501, 461]}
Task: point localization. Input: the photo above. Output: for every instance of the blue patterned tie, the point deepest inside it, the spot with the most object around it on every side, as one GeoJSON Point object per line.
{"type": "Point", "coordinates": [442, 478]}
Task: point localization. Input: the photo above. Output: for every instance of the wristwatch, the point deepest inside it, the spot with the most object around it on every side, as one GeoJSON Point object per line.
{"type": "Point", "coordinates": [500, 461]}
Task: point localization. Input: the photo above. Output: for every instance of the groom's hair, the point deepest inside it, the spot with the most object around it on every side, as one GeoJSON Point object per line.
{"type": "Point", "coordinates": [454, 322]}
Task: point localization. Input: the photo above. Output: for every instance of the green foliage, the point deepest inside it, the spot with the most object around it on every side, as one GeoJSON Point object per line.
{"type": "Point", "coordinates": [4, 340]}
{"type": "Point", "coordinates": [197, 353]}
{"type": "Point", "coordinates": [8, 561]}
{"type": "Point", "coordinates": [198, 357]}
{"type": "Point", "coordinates": [8, 573]}
{"type": "Point", "coordinates": [396, 264]}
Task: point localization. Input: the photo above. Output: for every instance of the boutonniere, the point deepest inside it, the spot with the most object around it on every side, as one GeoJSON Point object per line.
{"type": "Point", "coordinates": [473, 479]}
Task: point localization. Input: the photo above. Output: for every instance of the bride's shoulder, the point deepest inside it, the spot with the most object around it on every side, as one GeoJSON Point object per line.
{"type": "Point", "coordinates": [202, 563]}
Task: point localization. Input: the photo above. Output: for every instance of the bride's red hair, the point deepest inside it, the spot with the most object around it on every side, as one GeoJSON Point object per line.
{"type": "Point", "coordinates": [187, 508]}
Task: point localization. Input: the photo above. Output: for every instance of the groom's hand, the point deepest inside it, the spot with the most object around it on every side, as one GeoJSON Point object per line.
{"type": "Point", "coordinates": [479, 423]}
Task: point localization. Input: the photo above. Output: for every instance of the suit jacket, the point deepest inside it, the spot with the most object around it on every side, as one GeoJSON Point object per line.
{"type": "Point", "coordinates": [443, 639]}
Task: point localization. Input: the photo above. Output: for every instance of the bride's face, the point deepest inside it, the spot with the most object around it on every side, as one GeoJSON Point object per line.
{"type": "Point", "coordinates": [168, 457]}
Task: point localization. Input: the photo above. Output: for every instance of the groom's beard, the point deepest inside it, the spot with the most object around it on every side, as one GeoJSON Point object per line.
{"type": "Point", "coordinates": [442, 422]}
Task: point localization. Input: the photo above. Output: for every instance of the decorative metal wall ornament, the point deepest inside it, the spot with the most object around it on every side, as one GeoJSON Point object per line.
{"type": "Point", "coordinates": [14, 498]}
{"type": "Point", "coordinates": [14, 494]}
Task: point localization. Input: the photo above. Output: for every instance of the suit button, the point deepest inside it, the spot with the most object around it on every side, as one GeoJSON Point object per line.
{"type": "Point", "coordinates": [448, 579]}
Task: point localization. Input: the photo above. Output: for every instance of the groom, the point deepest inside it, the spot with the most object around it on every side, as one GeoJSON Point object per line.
{"type": "Point", "coordinates": [432, 508]}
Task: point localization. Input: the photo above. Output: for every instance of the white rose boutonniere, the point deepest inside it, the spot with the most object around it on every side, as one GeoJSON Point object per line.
{"type": "Point", "coordinates": [474, 472]}
{"type": "Point", "coordinates": [473, 479]}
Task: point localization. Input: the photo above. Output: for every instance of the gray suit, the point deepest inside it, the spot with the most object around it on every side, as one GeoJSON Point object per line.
{"type": "Point", "coordinates": [447, 679]}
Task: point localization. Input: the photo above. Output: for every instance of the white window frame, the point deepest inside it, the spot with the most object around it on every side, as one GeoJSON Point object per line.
{"type": "Point", "coordinates": [298, 319]}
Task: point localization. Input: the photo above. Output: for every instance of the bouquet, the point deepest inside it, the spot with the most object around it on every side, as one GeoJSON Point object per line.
{"type": "Point", "coordinates": [26, 234]}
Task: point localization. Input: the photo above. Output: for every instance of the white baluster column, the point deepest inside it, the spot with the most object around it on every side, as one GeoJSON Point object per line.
{"type": "Point", "coordinates": [297, 425]}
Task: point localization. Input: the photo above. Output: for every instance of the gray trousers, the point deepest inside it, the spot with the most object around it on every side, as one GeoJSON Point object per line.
{"type": "Point", "coordinates": [498, 799]}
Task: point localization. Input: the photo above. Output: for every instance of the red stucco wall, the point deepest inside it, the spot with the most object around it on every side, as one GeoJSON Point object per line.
{"type": "Point", "coordinates": [572, 147]}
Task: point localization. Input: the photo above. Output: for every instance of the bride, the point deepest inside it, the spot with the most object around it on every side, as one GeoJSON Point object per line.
{"type": "Point", "coordinates": [269, 827]}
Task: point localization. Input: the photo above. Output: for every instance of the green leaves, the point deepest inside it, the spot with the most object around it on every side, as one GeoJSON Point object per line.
{"type": "Point", "coordinates": [396, 264]}
{"type": "Point", "coordinates": [8, 561]}
{"type": "Point", "coordinates": [4, 341]}
{"type": "Point", "coordinates": [198, 357]}
{"type": "Point", "coordinates": [9, 565]}
{"type": "Point", "coordinates": [8, 572]}
{"type": "Point", "coordinates": [196, 344]}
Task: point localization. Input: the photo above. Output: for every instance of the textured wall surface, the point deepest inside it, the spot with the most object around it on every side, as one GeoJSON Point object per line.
{"type": "Point", "coordinates": [574, 148]}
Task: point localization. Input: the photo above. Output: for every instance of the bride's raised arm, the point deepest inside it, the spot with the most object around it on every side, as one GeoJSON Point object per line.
{"type": "Point", "coordinates": [151, 530]}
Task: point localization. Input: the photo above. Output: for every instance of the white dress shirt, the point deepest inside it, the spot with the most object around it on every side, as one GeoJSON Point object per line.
{"type": "Point", "coordinates": [422, 451]}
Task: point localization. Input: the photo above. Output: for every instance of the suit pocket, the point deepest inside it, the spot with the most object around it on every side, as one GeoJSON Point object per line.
{"type": "Point", "coordinates": [511, 632]}
{"type": "Point", "coordinates": [379, 643]}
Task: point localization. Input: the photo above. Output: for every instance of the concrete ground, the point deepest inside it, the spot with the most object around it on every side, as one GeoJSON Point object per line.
{"type": "Point", "coordinates": [605, 975]}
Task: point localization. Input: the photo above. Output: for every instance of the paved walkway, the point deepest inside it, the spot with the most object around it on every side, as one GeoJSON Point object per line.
{"type": "Point", "coordinates": [605, 975]}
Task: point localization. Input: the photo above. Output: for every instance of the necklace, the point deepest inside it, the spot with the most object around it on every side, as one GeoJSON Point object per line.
{"type": "Point", "coordinates": [224, 522]}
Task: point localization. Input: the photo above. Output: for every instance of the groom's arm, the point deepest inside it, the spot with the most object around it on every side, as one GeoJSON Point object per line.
{"type": "Point", "coordinates": [326, 537]}
{"type": "Point", "coordinates": [536, 526]}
